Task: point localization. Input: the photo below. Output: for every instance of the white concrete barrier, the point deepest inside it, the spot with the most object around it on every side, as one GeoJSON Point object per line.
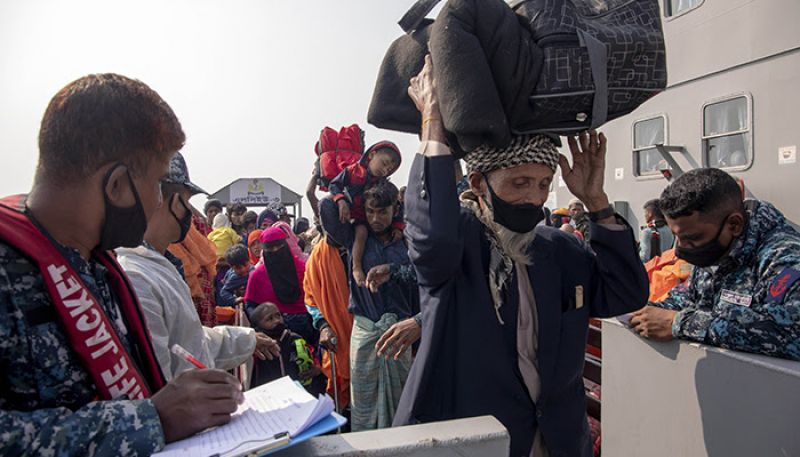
{"type": "Point", "coordinates": [682, 399]}
{"type": "Point", "coordinates": [474, 437]}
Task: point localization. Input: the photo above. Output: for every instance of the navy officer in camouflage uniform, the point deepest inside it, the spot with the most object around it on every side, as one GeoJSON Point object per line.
{"type": "Point", "coordinates": [744, 293]}
{"type": "Point", "coordinates": [104, 146]}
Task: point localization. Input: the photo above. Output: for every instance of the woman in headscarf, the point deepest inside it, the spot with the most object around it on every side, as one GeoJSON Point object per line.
{"type": "Point", "coordinates": [327, 290]}
{"type": "Point", "coordinates": [279, 279]}
{"type": "Point", "coordinates": [199, 258]}
{"type": "Point", "coordinates": [291, 238]}
{"type": "Point", "coordinates": [254, 246]}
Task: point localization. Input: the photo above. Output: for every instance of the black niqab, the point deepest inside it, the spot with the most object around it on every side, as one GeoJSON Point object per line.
{"type": "Point", "coordinates": [283, 273]}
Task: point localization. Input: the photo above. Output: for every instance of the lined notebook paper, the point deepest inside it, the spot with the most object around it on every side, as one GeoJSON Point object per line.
{"type": "Point", "coordinates": [262, 422]}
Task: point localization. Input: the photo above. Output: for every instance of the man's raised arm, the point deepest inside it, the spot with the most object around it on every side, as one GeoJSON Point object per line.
{"type": "Point", "coordinates": [433, 232]}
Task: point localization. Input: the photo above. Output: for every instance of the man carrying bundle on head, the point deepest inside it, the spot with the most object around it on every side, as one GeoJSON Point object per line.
{"type": "Point", "coordinates": [506, 304]}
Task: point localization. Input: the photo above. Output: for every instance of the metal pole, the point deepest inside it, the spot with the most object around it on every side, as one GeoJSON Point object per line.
{"type": "Point", "coordinates": [237, 321]}
{"type": "Point", "coordinates": [332, 355]}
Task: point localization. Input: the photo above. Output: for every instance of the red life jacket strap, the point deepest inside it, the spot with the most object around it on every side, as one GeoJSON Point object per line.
{"type": "Point", "coordinates": [89, 331]}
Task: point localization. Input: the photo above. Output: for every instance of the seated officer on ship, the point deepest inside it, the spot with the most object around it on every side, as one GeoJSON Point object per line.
{"type": "Point", "coordinates": [744, 293]}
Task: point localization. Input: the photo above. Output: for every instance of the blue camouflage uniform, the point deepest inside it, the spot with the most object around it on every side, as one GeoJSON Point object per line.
{"type": "Point", "coordinates": [750, 300]}
{"type": "Point", "coordinates": [47, 398]}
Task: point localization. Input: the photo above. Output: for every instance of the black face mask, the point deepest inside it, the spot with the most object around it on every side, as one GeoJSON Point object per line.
{"type": "Point", "coordinates": [520, 218]}
{"type": "Point", "coordinates": [705, 255]}
{"type": "Point", "coordinates": [123, 227]}
{"type": "Point", "coordinates": [185, 222]}
{"type": "Point", "coordinates": [276, 331]}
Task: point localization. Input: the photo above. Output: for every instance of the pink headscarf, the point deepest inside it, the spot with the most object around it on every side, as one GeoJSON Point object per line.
{"type": "Point", "coordinates": [291, 238]}
{"type": "Point", "coordinates": [259, 286]}
{"type": "Point", "coordinates": [271, 234]}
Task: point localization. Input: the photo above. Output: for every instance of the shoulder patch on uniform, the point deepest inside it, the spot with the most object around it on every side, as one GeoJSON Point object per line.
{"type": "Point", "coordinates": [781, 284]}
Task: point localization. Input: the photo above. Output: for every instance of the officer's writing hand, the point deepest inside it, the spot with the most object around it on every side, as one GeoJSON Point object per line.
{"type": "Point", "coordinates": [266, 347]}
{"type": "Point", "coordinates": [378, 276]}
{"type": "Point", "coordinates": [327, 338]}
{"type": "Point", "coordinates": [653, 323]}
{"type": "Point", "coordinates": [584, 178]}
{"type": "Point", "coordinates": [398, 338]}
{"type": "Point", "coordinates": [196, 400]}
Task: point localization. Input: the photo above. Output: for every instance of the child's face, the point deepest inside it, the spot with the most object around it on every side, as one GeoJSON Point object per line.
{"type": "Point", "coordinates": [271, 319]}
{"type": "Point", "coordinates": [241, 270]}
{"type": "Point", "coordinates": [255, 249]}
{"type": "Point", "coordinates": [382, 164]}
{"type": "Point", "coordinates": [212, 213]}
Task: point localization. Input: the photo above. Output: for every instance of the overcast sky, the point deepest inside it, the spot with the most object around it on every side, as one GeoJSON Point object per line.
{"type": "Point", "coordinates": [252, 81]}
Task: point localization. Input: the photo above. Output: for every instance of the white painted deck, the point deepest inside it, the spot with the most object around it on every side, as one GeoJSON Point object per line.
{"type": "Point", "coordinates": [473, 437]}
{"type": "Point", "coordinates": [682, 399]}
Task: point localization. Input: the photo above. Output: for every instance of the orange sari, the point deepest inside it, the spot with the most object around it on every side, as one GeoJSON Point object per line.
{"type": "Point", "coordinates": [199, 258]}
{"type": "Point", "coordinates": [326, 288]}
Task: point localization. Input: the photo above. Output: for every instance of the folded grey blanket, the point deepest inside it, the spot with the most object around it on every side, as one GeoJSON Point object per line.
{"type": "Point", "coordinates": [473, 43]}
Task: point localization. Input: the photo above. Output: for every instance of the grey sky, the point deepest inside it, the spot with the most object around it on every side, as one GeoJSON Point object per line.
{"type": "Point", "coordinates": [252, 81]}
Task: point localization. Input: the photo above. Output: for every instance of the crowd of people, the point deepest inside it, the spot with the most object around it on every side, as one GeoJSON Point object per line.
{"type": "Point", "coordinates": [448, 298]}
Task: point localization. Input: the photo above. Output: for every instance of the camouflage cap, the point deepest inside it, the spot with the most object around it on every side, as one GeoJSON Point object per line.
{"type": "Point", "coordinates": [179, 174]}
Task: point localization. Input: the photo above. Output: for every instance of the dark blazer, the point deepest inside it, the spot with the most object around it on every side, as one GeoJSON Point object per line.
{"type": "Point", "coordinates": [466, 365]}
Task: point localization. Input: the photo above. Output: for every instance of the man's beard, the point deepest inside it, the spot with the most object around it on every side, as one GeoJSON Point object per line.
{"type": "Point", "coordinates": [515, 245]}
{"type": "Point", "coordinates": [386, 230]}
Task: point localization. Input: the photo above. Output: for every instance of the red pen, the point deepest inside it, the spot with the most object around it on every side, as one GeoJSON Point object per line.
{"type": "Point", "coordinates": [178, 350]}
